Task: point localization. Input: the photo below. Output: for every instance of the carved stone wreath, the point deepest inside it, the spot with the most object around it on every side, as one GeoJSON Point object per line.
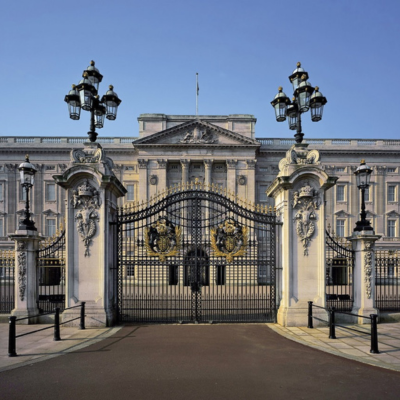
{"type": "Point", "coordinates": [86, 200]}
{"type": "Point", "coordinates": [306, 202]}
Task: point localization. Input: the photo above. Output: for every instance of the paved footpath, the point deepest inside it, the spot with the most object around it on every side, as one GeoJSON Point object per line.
{"type": "Point", "coordinates": [195, 362]}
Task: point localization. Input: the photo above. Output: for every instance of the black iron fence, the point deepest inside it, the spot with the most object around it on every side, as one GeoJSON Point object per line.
{"type": "Point", "coordinates": [339, 272]}
{"type": "Point", "coordinates": [12, 333]}
{"type": "Point", "coordinates": [387, 280]}
{"type": "Point", "coordinates": [7, 281]}
{"type": "Point", "coordinates": [332, 324]}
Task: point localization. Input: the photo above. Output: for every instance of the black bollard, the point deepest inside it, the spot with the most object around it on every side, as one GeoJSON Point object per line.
{"type": "Point", "coordinates": [310, 320]}
{"type": "Point", "coordinates": [57, 325]}
{"type": "Point", "coordinates": [11, 337]}
{"type": "Point", "coordinates": [82, 321]}
{"type": "Point", "coordinates": [374, 334]}
{"type": "Point", "coordinates": [332, 323]}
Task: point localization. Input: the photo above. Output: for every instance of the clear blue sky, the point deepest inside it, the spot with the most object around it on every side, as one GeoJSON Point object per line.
{"type": "Point", "coordinates": [243, 50]}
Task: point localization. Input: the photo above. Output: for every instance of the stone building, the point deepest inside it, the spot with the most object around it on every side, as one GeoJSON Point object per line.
{"type": "Point", "coordinates": [219, 150]}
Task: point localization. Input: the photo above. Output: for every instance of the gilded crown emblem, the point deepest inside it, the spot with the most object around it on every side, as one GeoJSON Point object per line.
{"type": "Point", "coordinates": [229, 240]}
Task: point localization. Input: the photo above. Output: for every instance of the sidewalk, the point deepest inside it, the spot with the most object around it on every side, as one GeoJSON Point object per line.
{"type": "Point", "coordinates": [40, 346]}
{"type": "Point", "coordinates": [349, 344]}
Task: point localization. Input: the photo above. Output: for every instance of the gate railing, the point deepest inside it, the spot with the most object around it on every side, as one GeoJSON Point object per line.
{"type": "Point", "coordinates": [387, 280]}
{"type": "Point", "coordinates": [339, 272]}
{"type": "Point", "coordinates": [51, 272]}
{"type": "Point", "coordinates": [175, 262]}
{"type": "Point", "coordinates": [7, 281]}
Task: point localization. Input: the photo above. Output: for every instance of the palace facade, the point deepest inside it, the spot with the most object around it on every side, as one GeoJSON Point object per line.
{"type": "Point", "coordinates": [215, 150]}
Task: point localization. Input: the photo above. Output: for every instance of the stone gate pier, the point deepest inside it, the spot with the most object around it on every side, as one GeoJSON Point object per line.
{"type": "Point", "coordinates": [91, 204]}
{"type": "Point", "coordinates": [299, 193]}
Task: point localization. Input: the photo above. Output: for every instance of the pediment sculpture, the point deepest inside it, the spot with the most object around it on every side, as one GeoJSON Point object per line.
{"type": "Point", "coordinates": [198, 136]}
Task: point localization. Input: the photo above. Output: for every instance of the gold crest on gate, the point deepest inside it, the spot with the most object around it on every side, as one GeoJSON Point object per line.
{"type": "Point", "coordinates": [229, 240]}
{"type": "Point", "coordinates": [162, 239]}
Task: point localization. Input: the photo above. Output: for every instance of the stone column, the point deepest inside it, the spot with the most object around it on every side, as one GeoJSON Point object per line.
{"type": "Point", "coordinates": [162, 175]}
{"type": "Point", "coordinates": [299, 193]}
{"type": "Point", "coordinates": [251, 180]}
{"type": "Point", "coordinates": [231, 176]}
{"type": "Point", "coordinates": [25, 295]}
{"type": "Point", "coordinates": [185, 171]}
{"type": "Point", "coordinates": [92, 192]}
{"type": "Point", "coordinates": [143, 180]}
{"type": "Point", "coordinates": [207, 168]}
{"type": "Point", "coordinates": [364, 275]}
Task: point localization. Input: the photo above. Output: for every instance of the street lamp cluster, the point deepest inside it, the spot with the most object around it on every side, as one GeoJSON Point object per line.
{"type": "Point", "coordinates": [85, 96]}
{"type": "Point", "coordinates": [304, 97]}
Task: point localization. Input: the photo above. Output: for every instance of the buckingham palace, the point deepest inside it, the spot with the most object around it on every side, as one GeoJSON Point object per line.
{"type": "Point", "coordinates": [219, 150]}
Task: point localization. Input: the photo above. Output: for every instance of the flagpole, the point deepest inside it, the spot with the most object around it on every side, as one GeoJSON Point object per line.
{"type": "Point", "coordinates": [197, 93]}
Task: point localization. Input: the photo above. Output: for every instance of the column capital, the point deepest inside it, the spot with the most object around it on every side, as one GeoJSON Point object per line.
{"type": "Point", "coordinates": [162, 164]}
{"type": "Point", "coordinates": [231, 164]}
{"type": "Point", "coordinates": [142, 163]}
{"type": "Point", "coordinates": [185, 163]}
{"type": "Point", "coordinates": [208, 163]}
{"type": "Point", "coordinates": [251, 164]}
{"type": "Point", "coordinates": [380, 170]}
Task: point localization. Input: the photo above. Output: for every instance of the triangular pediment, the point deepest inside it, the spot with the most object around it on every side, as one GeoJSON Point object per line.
{"type": "Point", "coordinates": [196, 133]}
{"type": "Point", "coordinates": [392, 214]}
{"type": "Point", "coordinates": [342, 214]}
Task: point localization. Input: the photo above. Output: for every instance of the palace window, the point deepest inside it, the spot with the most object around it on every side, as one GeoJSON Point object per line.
{"type": "Point", "coordinates": [1, 192]}
{"type": "Point", "coordinates": [340, 225]}
{"type": "Point", "coordinates": [339, 169]}
{"type": "Point", "coordinates": [130, 196]}
{"type": "Point", "coordinates": [391, 170]}
{"type": "Point", "coordinates": [130, 270]}
{"type": "Point", "coordinates": [391, 228]}
{"type": "Point", "coordinates": [262, 195]}
{"type": "Point", "coordinates": [50, 192]}
{"type": "Point", "coordinates": [367, 197]}
{"type": "Point", "coordinates": [50, 227]}
{"type": "Point", "coordinates": [130, 230]}
{"type": "Point", "coordinates": [391, 193]}
{"type": "Point", "coordinates": [340, 193]}
{"type": "Point", "coordinates": [1, 227]}
{"type": "Point", "coordinates": [22, 194]}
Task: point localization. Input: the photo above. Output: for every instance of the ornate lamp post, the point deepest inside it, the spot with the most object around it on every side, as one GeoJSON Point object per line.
{"type": "Point", "coordinates": [363, 177]}
{"type": "Point", "coordinates": [27, 173]}
{"type": "Point", "coordinates": [304, 97]}
{"type": "Point", "coordinates": [84, 96]}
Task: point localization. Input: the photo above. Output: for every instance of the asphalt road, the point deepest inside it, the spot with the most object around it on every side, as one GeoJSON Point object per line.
{"type": "Point", "coordinates": [198, 362]}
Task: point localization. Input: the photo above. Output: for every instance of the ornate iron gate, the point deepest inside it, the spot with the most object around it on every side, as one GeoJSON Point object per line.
{"type": "Point", "coordinates": [339, 272]}
{"type": "Point", "coordinates": [51, 272]}
{"type": "Point", "coordinates": [196, 254]}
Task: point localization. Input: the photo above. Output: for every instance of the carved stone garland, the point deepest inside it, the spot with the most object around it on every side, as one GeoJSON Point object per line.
{"type": "Point", "coordinates": [21, 259]}
{"type": "Point", "coordinates": [306, 202]}
{"type": "Point", "coordinates": [86, 200]}
{"type": "Point", "coordinates": [368, 268]}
